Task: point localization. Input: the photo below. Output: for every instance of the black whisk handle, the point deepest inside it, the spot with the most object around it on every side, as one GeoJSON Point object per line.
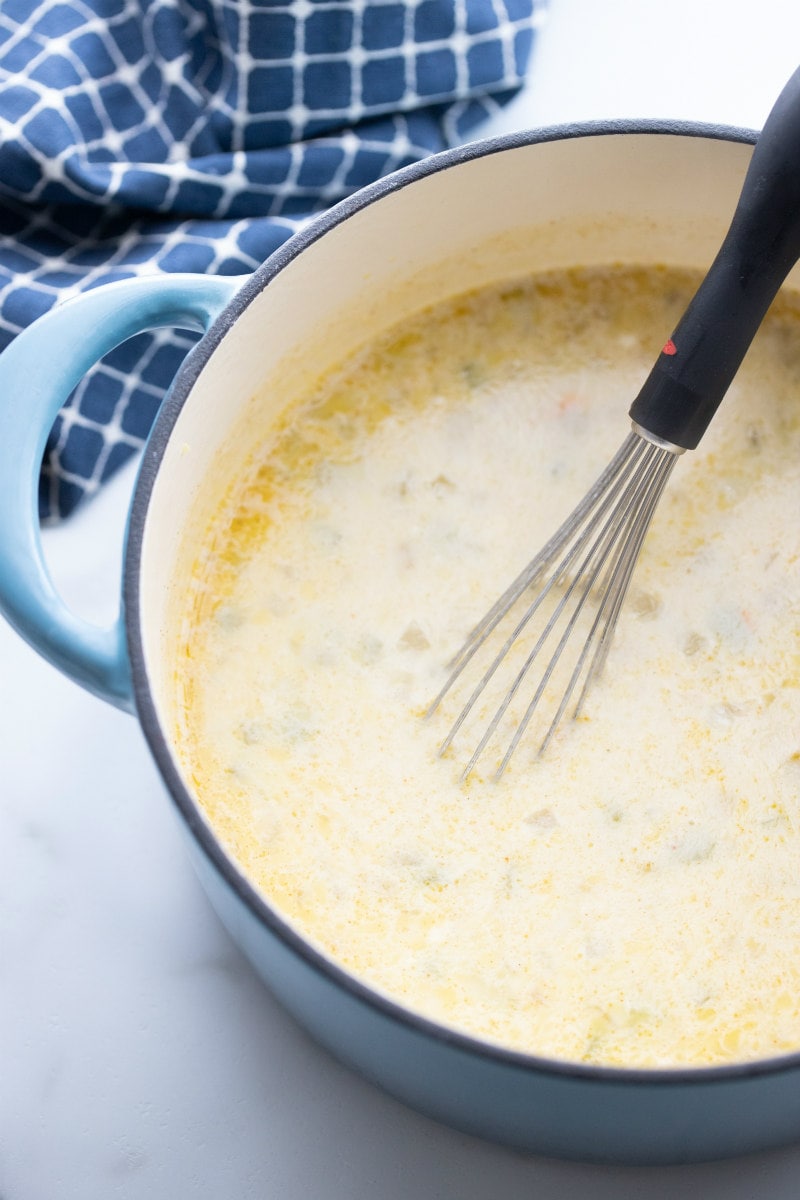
{"type": "Point", "coordinates": [697, 364]}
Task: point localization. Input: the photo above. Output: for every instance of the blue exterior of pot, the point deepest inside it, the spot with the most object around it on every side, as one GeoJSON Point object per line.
{"type": "Point", "coordinates": [600, 1115]}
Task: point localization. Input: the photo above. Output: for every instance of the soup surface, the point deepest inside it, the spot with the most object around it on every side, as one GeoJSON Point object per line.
{"type": "Point", "coordinates": [633, 896]}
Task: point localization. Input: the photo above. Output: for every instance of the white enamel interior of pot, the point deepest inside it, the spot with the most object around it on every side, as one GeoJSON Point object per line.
{"type": "Point", "coordinates": [659, 198]}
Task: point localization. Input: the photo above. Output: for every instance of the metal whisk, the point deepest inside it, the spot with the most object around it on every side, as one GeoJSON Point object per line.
{"type": "Point", "coordinates": [577, 583]}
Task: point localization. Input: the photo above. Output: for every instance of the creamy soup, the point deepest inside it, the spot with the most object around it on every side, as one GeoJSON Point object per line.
{"type": "Point", "coordinates": [633, 896]}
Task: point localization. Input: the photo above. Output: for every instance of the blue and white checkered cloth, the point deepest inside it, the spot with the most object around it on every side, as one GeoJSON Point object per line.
{"type": "Point", "coordinates": [139, 136]}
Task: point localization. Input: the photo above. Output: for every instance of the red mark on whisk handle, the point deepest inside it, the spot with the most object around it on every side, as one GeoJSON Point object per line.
{"type": "Point", "coordinates": [669, 348]}
{"type": "Point", "coordinates": [682, 392]}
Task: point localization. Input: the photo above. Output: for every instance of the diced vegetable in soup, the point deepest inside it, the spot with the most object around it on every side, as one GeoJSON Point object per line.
{"type": "Point", "coordinates": [632, 897]}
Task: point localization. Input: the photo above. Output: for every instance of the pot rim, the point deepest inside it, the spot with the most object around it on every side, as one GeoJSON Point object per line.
{"type": "Point", "coordinates": [188, 808]}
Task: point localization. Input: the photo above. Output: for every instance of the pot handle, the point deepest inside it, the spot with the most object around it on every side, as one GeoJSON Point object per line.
{"type": "Point", "coordinates": [38, 372]}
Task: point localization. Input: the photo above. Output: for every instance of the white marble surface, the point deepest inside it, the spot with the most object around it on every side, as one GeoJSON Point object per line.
{"type": "Point", "coordinates": [139, 1057]}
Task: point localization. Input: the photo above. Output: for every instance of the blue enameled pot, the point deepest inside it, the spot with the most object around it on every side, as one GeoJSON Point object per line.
{"type": "Point", "coordinates": [558, 197]}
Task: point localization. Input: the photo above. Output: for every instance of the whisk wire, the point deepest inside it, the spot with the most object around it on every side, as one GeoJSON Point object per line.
{"type": "Point", "coordinates": [613, 590]}
{"type": "Point", "coordinates": [586, 575]}
{"type": "Point", "coordinates": [604, 491]}
{"type": "Point", "coordinates": [633, 545]}
{"type": "Point", "coordinates": [537, 566]}
{"type": "Point", "coordinates": [614, 517]}
{"type": "Point", "coordinates": [606, 552]}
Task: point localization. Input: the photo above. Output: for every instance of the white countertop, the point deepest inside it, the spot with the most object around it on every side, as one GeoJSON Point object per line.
{"type": "Point", "coordinates": [139, 1056]}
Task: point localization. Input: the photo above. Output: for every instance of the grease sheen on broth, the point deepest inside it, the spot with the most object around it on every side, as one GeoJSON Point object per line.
{"type": "Point", "coordinates": [634, 897]}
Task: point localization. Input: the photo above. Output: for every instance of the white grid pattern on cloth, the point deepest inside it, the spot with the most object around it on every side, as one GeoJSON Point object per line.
{"type": "Point", "coordinates": [146, 137]}
{"type": "Point", "coordinates": [83, 166]}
